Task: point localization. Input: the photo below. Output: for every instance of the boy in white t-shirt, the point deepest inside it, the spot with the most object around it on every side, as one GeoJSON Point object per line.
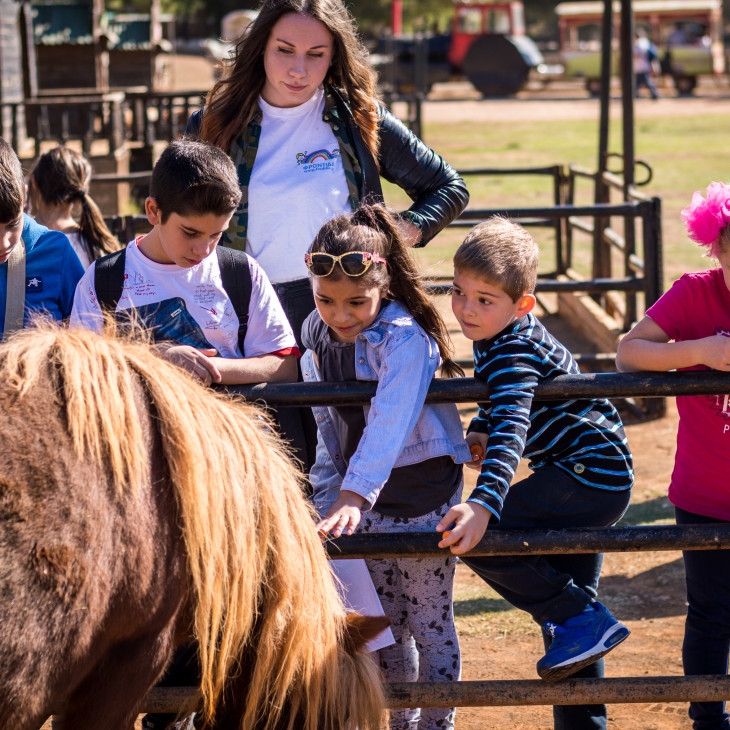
{"type": "Point", "coordinates": [214, 313]}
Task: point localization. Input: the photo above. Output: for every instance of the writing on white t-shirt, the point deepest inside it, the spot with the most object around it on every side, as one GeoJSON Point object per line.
{"type": "Point", "coordinates": [190, 306]}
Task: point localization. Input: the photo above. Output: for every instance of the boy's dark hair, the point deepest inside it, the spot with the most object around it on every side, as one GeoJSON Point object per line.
{"type": "Point", "coordinates": [502, 253]}
{"type": "Point", "coordinates": [12, 184]}
{"type": "Point", "coordinates": [194, 178]}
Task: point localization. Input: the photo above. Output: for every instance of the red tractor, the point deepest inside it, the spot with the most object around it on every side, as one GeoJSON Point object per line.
{"type": "Point", "coordinates": [487, 45]}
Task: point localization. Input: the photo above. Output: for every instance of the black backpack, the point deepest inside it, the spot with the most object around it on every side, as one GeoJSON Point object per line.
{"type": "Point", "coordinates": [235, 277]}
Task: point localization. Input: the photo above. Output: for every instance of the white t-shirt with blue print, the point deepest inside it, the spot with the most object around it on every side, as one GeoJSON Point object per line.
{"type": "Point", "coordinates": [190, 306]}
{"type": "Point", "coordinates": [297, 184]}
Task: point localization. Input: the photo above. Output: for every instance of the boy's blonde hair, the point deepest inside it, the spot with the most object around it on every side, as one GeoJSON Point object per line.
{"type": "Point", "coordinates": [502, 253]}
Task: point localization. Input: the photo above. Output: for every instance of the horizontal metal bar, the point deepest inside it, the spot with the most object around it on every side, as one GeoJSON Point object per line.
{"type": "Point", "coordinates": [614, 239]}
{"type": "Point", "coordinates": [510, 171]}
{"type": "Point", "coordinates": [130, 177]}
{"type": "Point", "coordinates": [636, 264]}
{"type": "Point", "coordinates": [112, 96]}
{"type": "Point", "coordinates": [517, 692]}
{"type": "Point", "coordinates": [470, 390]}
{"type": "Point", "coordinates": [526, 222]}
{"type": "Point", "coordinates": [602, 210]}
{"type": "Point", "coordinates": [613, 180]}
{"type": "Point", "coordinates": [628, 283]}
{"type": "Point", "coordinates": [637, 195]}
{"type": "Point", "coordinates": [574, 541]}
{"type": "Point", "coordinates": [512, 692]}
{"type": "Point", "coordinates": [579, 171]}
{"type": "Point", "coordinates": [581, 225]}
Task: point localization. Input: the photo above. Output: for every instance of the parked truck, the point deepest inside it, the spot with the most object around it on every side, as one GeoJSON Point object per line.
{"type": "Point", "coordinates": [687, 34]}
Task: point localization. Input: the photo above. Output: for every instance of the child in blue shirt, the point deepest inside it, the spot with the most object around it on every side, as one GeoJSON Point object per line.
{"type": "Point", "coordinates": [52, 269]}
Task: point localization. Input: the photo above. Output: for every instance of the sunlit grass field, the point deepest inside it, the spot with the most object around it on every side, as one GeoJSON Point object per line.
{"type": "Point", "coordinates": [686, 153]}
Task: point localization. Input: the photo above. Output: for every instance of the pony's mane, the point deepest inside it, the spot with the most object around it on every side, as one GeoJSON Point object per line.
{"type": "Point", "coordinates": [255, 561]}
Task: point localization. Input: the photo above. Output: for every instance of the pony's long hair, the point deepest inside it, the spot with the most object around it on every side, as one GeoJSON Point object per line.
{"type": "Point", "coordinates": [231, 103]}
{"type": "Point", "coordinates": [62, 176]}
{"type": "Point", "coordinates": [256, 565]}
{"type": "Point", "coordinates": [373, 228]}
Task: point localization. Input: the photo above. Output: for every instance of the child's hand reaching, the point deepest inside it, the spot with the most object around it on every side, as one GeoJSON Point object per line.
{"type": "Point", "coordinates": [477, 443]}
{"type": "Point", "coordinates": [196, 362]}
{"type": "Point", "coordinates": [470, 522]}
{"type": "Point", "coordinates": [343, 515]}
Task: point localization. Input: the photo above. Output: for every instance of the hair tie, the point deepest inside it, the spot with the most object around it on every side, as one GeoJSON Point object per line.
{"type": "Point", "coordinates": [705, 218]}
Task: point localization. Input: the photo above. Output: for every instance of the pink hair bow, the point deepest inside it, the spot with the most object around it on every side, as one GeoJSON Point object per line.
{"type": "Point", "coordinates": [704, 218]}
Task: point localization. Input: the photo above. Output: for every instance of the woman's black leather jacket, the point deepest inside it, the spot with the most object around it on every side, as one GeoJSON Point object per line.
{"type": "Point", "coordinates": [438, 193]}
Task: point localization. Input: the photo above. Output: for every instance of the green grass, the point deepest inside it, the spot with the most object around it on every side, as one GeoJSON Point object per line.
{"type": "Point", "coordinates": [686, 154]}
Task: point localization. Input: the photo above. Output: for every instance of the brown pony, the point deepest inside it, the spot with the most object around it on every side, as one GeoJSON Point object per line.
{"type": "Point", "coordinates": [137, 510]}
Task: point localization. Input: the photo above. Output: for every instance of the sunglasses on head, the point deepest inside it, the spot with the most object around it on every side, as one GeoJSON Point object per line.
{"type": "Point", "coordinates": [353, 263]}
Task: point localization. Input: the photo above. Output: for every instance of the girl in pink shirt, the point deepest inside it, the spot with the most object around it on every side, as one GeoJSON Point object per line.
{"type": "Point", "coordinates": [689, 329]}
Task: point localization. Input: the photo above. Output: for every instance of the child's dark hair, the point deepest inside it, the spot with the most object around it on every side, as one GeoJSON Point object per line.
{"type": "Point", "coordinates": [374, 228]}
{"type": "Point", "coordinates": [62, 176]}
{"type": "Point", "coordinates": [194, 178]}
{"type": "Point", "coordinates": [12, 184]}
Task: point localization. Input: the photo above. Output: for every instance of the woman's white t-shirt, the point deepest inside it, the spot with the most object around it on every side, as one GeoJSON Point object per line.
{"type": "Point", "coordinates": [297, 184]}
{"type": "Point", "coordinates": [192, 304]}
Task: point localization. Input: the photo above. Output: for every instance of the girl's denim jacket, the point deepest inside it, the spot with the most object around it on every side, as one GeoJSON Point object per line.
{"type": "Point", "coordinates": [400, 429]}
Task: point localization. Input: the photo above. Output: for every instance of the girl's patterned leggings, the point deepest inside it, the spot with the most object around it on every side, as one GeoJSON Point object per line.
{"type": "Point", "coordinates": [417, 595]}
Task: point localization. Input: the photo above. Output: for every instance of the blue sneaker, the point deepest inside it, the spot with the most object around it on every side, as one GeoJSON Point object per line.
{"type": "Point", "coordinates": [580, 641]}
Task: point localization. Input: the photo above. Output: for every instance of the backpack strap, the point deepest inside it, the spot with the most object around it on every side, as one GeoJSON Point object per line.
{"type": "Point", "coordinates": [15, 294]}
{"type": "Point", "coordinates": [109, 280]}
{"type": "Point", "coordinates": [236, 280]}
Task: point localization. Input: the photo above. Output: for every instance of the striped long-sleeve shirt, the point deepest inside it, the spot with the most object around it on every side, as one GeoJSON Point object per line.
{"type": "Point", "coordinates": [584, 437]}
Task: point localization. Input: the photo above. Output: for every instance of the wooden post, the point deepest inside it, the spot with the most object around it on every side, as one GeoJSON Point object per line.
{"type": "Point", "coordinates": [101, 53]}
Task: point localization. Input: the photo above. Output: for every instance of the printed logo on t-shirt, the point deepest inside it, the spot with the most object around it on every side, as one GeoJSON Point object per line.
{"type": "Point", "coordinates": [34, 284]}
{"type": "Point", "coordinates": [319, 160]}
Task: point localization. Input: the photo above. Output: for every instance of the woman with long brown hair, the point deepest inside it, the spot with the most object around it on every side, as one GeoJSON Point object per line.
{"type": "Point", "coordinates": [298, 112]}
{"type": "Point", "coordinates": [59, 188]}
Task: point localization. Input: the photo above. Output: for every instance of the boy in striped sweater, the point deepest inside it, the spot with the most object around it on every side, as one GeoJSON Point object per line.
{"type": "Point", "coordinates": [581, 463]}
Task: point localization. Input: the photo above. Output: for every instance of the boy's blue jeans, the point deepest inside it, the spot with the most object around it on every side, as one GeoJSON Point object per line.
{"type": "Point", "coordinates": [554, 587]}
{"type": "Point", "coordinates": [707, 630]}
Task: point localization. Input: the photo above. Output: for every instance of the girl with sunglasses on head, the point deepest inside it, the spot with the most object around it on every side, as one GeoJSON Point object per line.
{"type": "Point", "coordinates": [395, 465]}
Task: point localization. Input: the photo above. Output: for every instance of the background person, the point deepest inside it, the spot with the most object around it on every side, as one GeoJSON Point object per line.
{"type": "Point", "coordinates": [58, 185]}
{"type": "Point", "coordinates": [581, 464]}
{"type": "Point", "coordinates": [645, 59]}
{"type": "Point", "coordinates": [173, 282]}
{"type": "Point", "coordinates": [689, 329]}
{"type": "Point", "coordinates": [299, 115]}
{"type": "Point", "coordinates": [52, 269]}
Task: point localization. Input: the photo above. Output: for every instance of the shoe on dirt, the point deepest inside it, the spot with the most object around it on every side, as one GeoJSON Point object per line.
{"type": "Point", "coordinates": [580, 641]}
